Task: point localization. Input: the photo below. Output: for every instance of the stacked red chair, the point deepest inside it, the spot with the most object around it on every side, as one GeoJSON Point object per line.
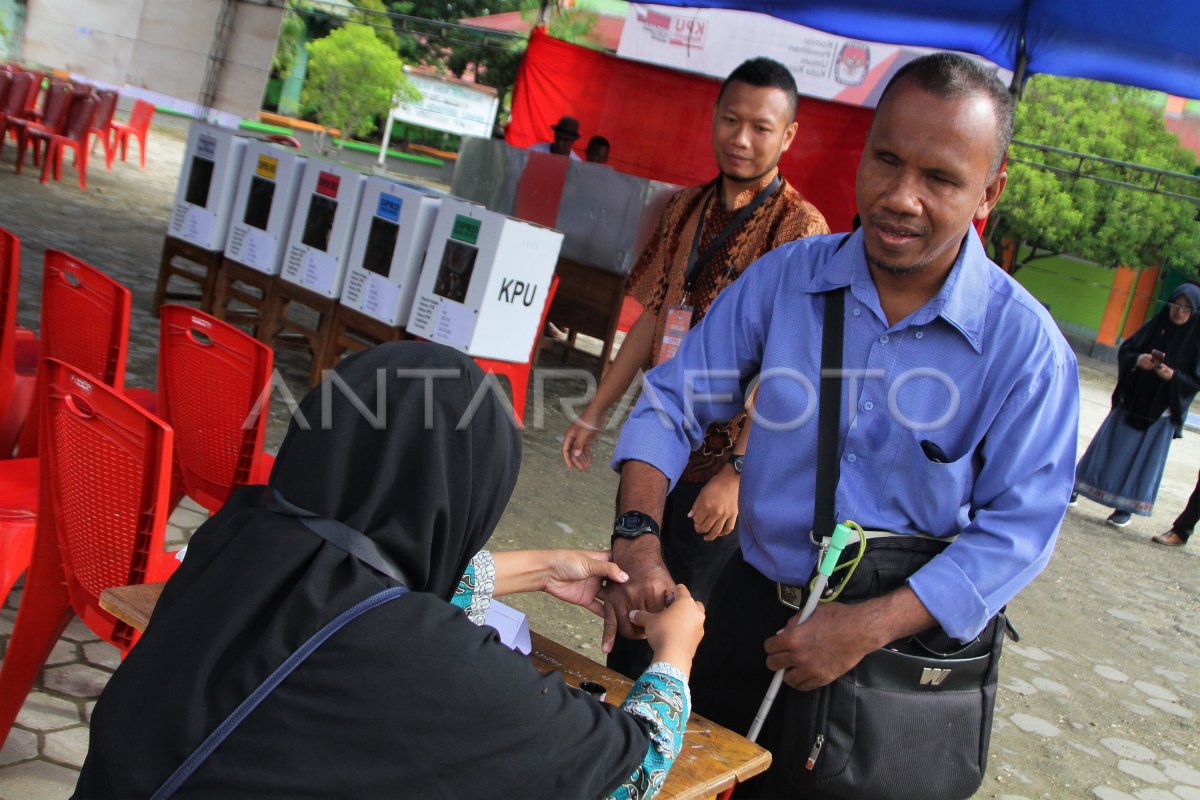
{"type": "Point", "coordinates": [84, 322]}
{"type": "Point", "coordinates": [214, 384]}
{"type": "Point", "coordinates": [74, 136]}
{"type": "Point", "coordinates": [104, 480]}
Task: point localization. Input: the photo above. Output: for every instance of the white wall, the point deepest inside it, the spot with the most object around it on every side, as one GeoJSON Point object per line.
{"type": "Point", "coordinates": [159, 45]}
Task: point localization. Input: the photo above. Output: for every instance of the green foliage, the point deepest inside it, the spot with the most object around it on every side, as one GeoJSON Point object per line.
{"type": "Point", "coordinates": [568, 24]}
{"type": "Point", "coordinates": [1111, 225]}
{"type": "Point", "coordinates": [291, 38]}
{"type": "Point", "coordinates": [380, 23]}
{"type": "Point", "coordinates": [352, 77]}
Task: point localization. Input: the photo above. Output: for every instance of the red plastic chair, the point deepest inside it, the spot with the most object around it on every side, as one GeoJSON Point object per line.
{"type": "Point", "coordinates": [105, 480]}
{"type": "Point", "coordinates": [85, 322]}
{"type": "Point", "coordinates": [74, 136]}
{"type": "Point", "coordinates": [16, 391]}
{"type": "Point", "coordinates": [51, 119]}
{"type": "Point", "coordinates": [102, 128]}
{"type": "Point", "coordinates": [284, 139]}
{"type": "Point", "coordinates": [6, 76]}
{"type": "Point", "coordinates": [14, 105]}
{"type": "Point", "coordinates": [518, 374]}
{"type": "Point", "coordinates": [18, 477]}
{"type": "Point", "coordinates": [213, 384]}
{"type": "Point", "coordinates": [137, 126]}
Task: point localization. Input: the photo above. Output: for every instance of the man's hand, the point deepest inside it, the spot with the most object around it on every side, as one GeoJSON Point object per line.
{"type": "Point", "coordinates": [837, 636]}
{"type": "Point", "coordinates": [578, 438]}
{"type": "Point", "coordinates": [649, 587]}
{"type": "Point", "coordinates": [715, 511]}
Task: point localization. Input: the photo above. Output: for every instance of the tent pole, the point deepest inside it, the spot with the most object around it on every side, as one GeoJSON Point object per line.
{"type": "Point", "coordinates": [1017, 88]}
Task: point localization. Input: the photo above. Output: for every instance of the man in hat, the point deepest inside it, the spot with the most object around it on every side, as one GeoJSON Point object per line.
{"type": "Point", "coordinates": [566, 133]}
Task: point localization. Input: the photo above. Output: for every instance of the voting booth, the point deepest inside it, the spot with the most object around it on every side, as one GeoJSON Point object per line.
{"type": "Point", "coordinates": [606, 216]}
{"type": "Point", "coordinates": [484, 281]}
{"type": "Point", "coordinates": [390, 238]}
{"type": "Point", "coordinates": [207, 182]}
{"type": "Point", "coordinates": [263, 206]}
{"type": "Point", "coordinates": [319, 240]}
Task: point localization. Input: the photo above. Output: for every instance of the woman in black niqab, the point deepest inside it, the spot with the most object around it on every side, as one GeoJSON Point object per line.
{"type": "Point", "coordinates": [1158, 374]}
{"type": "Point", "coordinates": [408, 700]}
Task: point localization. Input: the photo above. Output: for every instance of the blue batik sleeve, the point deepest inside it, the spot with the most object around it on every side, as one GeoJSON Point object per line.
{"type": "Point", "coordinates": [474, 592]}
{"type": "Point", "coordinates": [661, 699]}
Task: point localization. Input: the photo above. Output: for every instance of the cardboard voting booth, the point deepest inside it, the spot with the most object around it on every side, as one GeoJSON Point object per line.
{"type": "Point", "coordinates": [390, 238]}
{"type": "Point", "coordinates": [484, 281]}
{"type": "Point", "coordinates": [607, 216]}
{"type": "Point", "coordinates": [319, 240]}
{"type": "Point", "coordinates": [263, 206]}
{"type": "Point", "coordinates": [207, 182]}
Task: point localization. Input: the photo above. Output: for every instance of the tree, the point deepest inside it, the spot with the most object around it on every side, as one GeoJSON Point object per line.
{"type": "Point", "coordinates": [1111, 225]}
{"type": "Point", "coordinates": [352, 77]}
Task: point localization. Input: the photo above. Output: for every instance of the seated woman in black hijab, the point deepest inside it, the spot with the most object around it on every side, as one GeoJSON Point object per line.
{"type": "Point", "coordinates": [410, 699]}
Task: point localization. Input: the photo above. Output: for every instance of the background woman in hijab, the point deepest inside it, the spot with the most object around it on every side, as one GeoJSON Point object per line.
{"type": "Point", "coordinates": [1123, 465]}
{"type": "Point", "coordinates": [410, 699]}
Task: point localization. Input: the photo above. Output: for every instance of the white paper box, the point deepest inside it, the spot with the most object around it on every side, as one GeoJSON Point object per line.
{"type": "Point", "coordinates": [319, 239]}
{"type": "Point", "coordinates": [207, 182]}
{"type": "Point", "coordinates": [263, 205]}
{"type": "Point", "coordinates": [484, 282]}
{"type": "Point", "coordinates": [390, 238]}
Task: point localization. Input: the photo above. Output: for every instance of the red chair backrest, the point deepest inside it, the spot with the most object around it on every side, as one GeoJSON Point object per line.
{"type": "Point", "coordinates": [212, 384]}
{"type": "Point", "coordinates": [139, 118]}
{"type": "Point", "coordinates": [54, 108]}
{"type": "Point", "coordinates": [6, 77]}
{"type": "Point", "coordinates": [35, 88]}
{"type": "Point", "coordinates": [105, 474]}
{"type": "Point", "coordinates": [18, 90]}
{"type": "Point", "coordinates": [79, 119]}
{"type": "Point", "coordinates": [85, 318]}
{"type": "Point", "coordinates": [106, 105]}
{"type": "Point", "coordinates": [10, 276]}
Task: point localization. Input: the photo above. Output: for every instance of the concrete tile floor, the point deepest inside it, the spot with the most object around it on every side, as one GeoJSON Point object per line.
{"type": "Point", "coordinates": [43, 753]}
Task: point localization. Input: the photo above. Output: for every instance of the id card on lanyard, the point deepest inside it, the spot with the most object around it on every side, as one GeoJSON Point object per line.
{"type": "Point", "coordinates": [679, 322]}
{"type": "Point", "coordinates": [680, 315]}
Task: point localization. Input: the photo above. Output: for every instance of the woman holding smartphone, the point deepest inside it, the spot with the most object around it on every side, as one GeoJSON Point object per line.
{"type": "Point", "coordinates": [1159, 375]}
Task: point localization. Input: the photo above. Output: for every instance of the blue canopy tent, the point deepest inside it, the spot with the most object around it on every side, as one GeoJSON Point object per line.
{"type": "Point", "coordinates": [1153, 44]}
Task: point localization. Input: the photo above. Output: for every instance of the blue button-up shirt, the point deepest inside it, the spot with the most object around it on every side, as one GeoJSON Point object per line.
{"type": "Point", "coordinates": [980, 373]}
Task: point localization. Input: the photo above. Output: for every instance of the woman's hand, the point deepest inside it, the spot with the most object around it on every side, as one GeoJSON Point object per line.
{"type": "Point", "coordinates": [675, 632]}
{"type": "Point", "coordinates": [715, 511]}
{"type": "Point", "coordinates": [576, 576]}
{"type": "Point", "coordinates": [1151, 364]}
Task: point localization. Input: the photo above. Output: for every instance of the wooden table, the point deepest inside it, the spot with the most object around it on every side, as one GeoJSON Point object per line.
{"type": "Point", "coordinates": [588, 301]}
{"type": "Point", "coordinates": [712, 759]}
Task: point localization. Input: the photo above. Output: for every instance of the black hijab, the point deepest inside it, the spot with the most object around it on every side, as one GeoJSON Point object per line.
{"type": "Point", "coordinates": [395, 704]}
{"type": "Point", "coordinates": [1143, 395]}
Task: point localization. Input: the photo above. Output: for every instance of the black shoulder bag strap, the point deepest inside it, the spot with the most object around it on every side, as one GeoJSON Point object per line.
{"type": "Point", "coordinates": [337, 533]}
{"type": "Point", "coordinates": [698, 261]}
{"type": "Point", "coordinates": [222, 731]}
{"type": "Point", "coordinates": [829, 414]}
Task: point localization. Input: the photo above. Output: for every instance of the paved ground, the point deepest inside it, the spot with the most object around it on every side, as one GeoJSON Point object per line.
{"type": "Point", "coordinates": [1098, 699]}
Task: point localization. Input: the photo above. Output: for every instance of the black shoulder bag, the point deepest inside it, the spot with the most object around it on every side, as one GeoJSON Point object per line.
{"type": "Point", "coordinates": [912, 720]}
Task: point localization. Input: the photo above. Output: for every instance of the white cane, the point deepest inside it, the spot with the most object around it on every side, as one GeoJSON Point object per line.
{"type": "Point", "coordinates": [837, 543]}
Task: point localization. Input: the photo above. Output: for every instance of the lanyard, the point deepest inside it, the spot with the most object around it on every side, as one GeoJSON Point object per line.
{"type": "Point", "coordinates": [697, 264]}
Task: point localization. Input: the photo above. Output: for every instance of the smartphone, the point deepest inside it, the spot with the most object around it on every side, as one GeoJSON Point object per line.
{"type": "Point", "coordinates": [1158, 356]}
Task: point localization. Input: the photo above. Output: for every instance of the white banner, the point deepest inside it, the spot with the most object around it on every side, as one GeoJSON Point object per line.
{"type": "Point", "coordinates": [450, 105]}
{"type": "Point", "coordinates": [714, 41]}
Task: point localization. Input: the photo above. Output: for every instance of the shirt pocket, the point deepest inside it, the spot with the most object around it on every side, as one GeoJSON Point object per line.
{"type": "Point", "coordinates": [932, 482]}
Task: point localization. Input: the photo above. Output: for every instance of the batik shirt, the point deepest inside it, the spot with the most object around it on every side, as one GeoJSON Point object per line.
{"type": "Point", "coordinates": [657, 278]}
{"type": "Point", "coordinates": [660, 698]}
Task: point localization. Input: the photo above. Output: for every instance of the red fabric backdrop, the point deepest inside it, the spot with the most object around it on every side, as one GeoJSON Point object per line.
{"type": "Point", "coordinates": [659, 122]}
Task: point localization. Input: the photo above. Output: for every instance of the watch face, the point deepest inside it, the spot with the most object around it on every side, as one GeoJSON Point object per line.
{"type": "Point", "coordinates": [737, 464]}
{"type": "Point", "coordinates": [630, 521]}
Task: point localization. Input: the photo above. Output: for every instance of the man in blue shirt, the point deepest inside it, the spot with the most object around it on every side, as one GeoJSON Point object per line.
{"type": "Point", "coordinates": [959, 417]}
